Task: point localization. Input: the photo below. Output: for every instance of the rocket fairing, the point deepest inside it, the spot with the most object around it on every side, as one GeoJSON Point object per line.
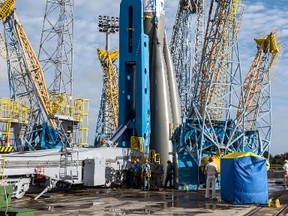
{"type": "Point", "coordinates": [163, 97]}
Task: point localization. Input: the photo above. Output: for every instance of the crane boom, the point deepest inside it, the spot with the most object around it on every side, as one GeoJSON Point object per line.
{"type": "Point", "coordinates": [32, 63]}
{"type": "Point", "coordinates": [26, 83]}
{"type": "Point", "coordinates": [217, 95]}
{"type": "Point", "coordinates": [257, 95]}
{"type": "Point", "coordinates": [6, 8]}
{"type": "Point", "coordinates": [212, 83]}
{"type": "Point", "coordinates": [257, 76]}
{"type": "Point", "coordinates": [35, 70]}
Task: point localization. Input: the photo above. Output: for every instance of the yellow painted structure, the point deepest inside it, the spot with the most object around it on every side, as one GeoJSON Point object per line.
{"type": "Point", "coordinates": [82, 115]}
{"type": "Point", "coordinates": [110, 83]}
{"type": "Point", "coordinates": [11, 111]}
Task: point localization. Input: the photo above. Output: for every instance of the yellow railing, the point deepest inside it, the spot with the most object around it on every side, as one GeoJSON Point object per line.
{"type": "Point", "coordinates": [62, 104]}
{"type": "Point", "coordinates": [82, 115]}
{"type": "Point", "coordinates": [11, 111]}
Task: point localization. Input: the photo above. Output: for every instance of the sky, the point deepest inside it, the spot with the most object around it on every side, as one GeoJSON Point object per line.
{"type": "Point", "coordinates": [260, 18]}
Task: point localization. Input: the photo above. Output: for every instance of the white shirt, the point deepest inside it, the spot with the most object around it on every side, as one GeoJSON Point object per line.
{"type": "Point", "coordinates": [211, 168]}
{"type": "Point", "coordinates": [285, 167]}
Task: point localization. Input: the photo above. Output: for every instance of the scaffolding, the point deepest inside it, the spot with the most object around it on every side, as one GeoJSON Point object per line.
{"type": "Point", "coordinates": [82, 116]}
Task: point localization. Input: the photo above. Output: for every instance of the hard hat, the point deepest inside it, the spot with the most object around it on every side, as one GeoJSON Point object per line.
{"type": "Point", "coordinates": [210, 159]}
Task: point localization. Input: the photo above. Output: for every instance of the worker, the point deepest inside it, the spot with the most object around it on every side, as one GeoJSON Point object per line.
{"type": "Point", "coordinates": [169, 174]}
{"type": "Point", "coordinates": [158, 174]}
{"type": "Point", "coordinates": [146, 174]}
{"type": "Point", "coordinates": [211, 171]}
{"type": "Point", "coordinates": [1, 138]}
{"type": "Point", "coordinates": [285, 168]}
{"type": "Point", "coordinates": [138, 173]}
{"type": "Point", "coordinates": [132, 174]}
{"type": "Point", "coordinates": [6, 140]}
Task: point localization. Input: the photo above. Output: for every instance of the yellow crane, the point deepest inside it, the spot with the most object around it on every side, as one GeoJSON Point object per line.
{"type": "Point", "coordinates": [33, 66]}
{"type": "Point", "coordinates": [259, 74]}
{"type": "Point", "coordinates": [214, 74]}
{"type": "Point", "coordinates": [27, 83]}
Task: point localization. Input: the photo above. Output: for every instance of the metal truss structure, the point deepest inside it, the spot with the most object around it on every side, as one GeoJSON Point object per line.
{"type": "Point", "coordinates": [181, 46]}
{"type": "Point", "coordinates": [107, 121]}
{"type": "Point", "coordinates": [226, 114]}
{"type": "Point", "coordinates": [212, 126]}
{"type": "Point", "coordinates": [56, 52]}
{"type": "Point", "coordinates": [27, 85]}
{"type": "Point", "coordinates": [257, 95]}
{"type": "Point", "coordinates": [56, 55]}
{"type": "Point", "coordinates": [23, 74]}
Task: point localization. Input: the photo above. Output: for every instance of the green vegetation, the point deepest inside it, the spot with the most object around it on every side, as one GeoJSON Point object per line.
{"type": "Point", "coordinates": [278, 159]}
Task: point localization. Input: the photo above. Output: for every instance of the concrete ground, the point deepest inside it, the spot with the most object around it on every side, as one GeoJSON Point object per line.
{"type": "Point", "coordinates": [114, 202]}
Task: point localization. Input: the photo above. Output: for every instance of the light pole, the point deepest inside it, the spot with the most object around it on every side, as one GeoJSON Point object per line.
{"type": "Point", "coordinates": [108, 25]}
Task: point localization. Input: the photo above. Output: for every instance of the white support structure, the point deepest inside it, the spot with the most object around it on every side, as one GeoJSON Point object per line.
{"type": "Point", "coordinates": [88, 166]}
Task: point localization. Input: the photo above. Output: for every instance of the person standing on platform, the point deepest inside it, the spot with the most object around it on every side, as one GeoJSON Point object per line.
{"type": "Point", "coordinates": [169, 174]}
{"type": "Point", "coordinates": [285, 168]}
{"type": "Point", "coordinates": [146, 173]}
{"type": "Point", "coordinates": [211, 171]}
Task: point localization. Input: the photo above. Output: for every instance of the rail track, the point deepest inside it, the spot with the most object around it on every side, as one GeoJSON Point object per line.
{"type": "Point", "coordinates": [278, 205]}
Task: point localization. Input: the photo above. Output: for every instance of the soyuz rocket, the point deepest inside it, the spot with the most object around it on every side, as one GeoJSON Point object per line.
{"type": "Point", "coordinates": [148, 96]}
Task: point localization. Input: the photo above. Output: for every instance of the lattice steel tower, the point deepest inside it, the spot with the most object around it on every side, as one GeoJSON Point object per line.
{"type": "Point", "coordinates": [56, 51]}
{"type": "Point", "coordinates": [218, 83]}
{"type": "Point", "coordinates": [182, 47]}
{"type": "Point", "coordinates": [56, 55]}
{"type": "Point", "coordinates": [107, 121]}
{"type": "Point", "coordinates": [212, 124]}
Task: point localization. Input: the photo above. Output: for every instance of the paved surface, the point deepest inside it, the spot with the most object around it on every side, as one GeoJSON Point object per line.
{"type": "Point", "coordinates": [109, 202]}
{"type": "Point", "coordinates": [114, 202]}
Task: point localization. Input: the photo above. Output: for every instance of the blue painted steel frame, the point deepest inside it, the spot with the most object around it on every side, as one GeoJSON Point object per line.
{"type": "Point", "coordinates": [134, 88]}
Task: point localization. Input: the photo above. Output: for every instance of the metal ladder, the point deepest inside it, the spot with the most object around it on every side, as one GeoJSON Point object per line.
{"type": "Point", "coordinates": [66, 160]}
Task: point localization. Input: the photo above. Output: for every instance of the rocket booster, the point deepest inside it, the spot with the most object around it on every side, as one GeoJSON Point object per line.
{"type": "Point", "coordinates": [164, 97]}
{"type": "Point", "coordinates": [135, 50]}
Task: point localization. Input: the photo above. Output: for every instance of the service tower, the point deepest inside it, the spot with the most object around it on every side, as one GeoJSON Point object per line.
{"type": "Point", "coordinates": [140, 19]}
